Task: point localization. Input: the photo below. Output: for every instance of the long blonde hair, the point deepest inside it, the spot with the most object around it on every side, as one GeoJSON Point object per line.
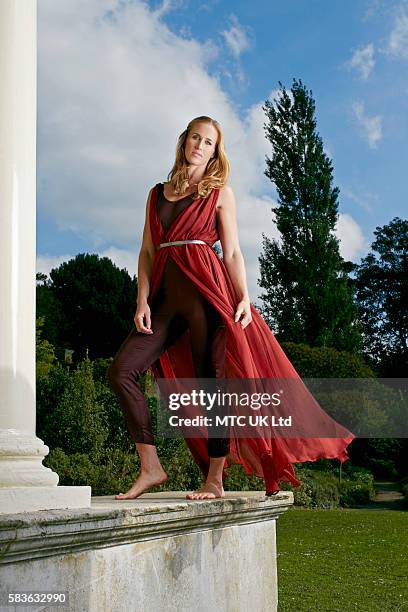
{"type": "Point", "coordinates": [216, 172]}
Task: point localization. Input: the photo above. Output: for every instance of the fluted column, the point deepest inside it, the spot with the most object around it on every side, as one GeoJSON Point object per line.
{"type": "Point", "coordinates": [25, 483]}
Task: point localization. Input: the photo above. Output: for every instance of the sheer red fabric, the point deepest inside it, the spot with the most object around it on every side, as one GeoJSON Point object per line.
{"type": "Point", "coordinates": [252, 352]}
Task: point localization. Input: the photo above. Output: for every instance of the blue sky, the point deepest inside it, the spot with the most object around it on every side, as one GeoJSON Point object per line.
{"type": "Point", "coordinates": [119, 81]}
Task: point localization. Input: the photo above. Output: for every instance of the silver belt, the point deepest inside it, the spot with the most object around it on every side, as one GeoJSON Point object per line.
{"type": "Point", "coordinates": [164, 244]}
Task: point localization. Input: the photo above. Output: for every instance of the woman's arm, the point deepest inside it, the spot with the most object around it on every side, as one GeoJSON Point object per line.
{"type": "Point", "coordinates": [144, 273]}
{"type": "Point", "coordinates": [232, 256]}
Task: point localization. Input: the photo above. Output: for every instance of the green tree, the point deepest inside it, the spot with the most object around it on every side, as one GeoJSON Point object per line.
{"type": "Point", "coordinates": [78, 423]}
{"type": "Point", "coordinates": [308, 296]}
{"type": "Point", "coordinates": [382, 294]}
{"type": "Point", "coordinates": [49, 308]}
{"type": "Point", "coordinates": [90, 304]}
{"type": "Point", "coordinates": [49, 390]}
{"type": "Point", "coordinates": [45, 355]}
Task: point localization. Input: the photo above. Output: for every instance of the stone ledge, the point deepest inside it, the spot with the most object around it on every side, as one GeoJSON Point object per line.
{"type": "Point", "coordinates": [15, 499]}
{"type": "Point", "coordinates": [109, 522]}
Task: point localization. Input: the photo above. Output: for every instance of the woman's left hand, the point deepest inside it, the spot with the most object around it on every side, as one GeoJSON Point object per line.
{"type": "Point", "coordinates": [243, 308]}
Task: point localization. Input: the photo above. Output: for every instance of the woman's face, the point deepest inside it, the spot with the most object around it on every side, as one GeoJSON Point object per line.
{"type": "Point", "coordinates": [200, 144]}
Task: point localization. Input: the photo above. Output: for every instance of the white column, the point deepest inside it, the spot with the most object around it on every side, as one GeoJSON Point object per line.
{"type": "Point", "coordinates": [25, 484]}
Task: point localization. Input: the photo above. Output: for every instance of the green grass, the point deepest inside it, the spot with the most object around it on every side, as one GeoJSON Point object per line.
{"type": "Point", "coordinates": [342, 560]}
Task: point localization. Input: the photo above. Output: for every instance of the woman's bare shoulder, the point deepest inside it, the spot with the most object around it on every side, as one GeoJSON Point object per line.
{"type": "Point", "coordinates": [225, 196]}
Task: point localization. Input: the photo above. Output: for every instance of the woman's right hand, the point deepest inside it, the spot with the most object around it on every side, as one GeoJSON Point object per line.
{"type": "Point", "coordinates": [142, 319]}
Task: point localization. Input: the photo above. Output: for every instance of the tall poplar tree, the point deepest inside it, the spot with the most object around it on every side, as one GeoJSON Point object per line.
{"type": "Point", "coordinates": [308, 296]}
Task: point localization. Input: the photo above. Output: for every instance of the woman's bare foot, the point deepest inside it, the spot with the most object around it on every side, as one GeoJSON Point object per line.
{"type": "Point", "coordinates": [209, 490]}
{"type": "Point", "coordinates": [146, 481]}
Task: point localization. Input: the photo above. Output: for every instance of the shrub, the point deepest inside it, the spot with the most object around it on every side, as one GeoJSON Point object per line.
{"type": "Point", "coordinates": [114, 472]}
{"type": "Point", "coordinates": [45, 354]}
{"type": "Point", "coordinates": [358, 490]}
{"type": "Point", "coordinates": [78, 424]}
{"type": "Point", "coordinates": [238, 480]}
{"type": "Point", "coordinates": [117, 435]}
{"type": "Point", "coordinates": [49, 390]}
{"type": "Point", "coordinates": [325, 362]}
{"type": "Point", "coordinates": [384, 457]}
{"type": "Point", "coordinates": [176, 459]}
{"type": "Point", "coordinates": [323, 489]}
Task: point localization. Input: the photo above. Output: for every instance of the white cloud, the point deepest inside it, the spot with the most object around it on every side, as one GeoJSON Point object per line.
{"type": "Point", "coordinates": [166, 7]}
{"type": "Point", "coordinates": [120, 257]}
{"type": "Point", "coordinates": [123, 259]}
{"type": "Point", "coordinates": [398, 39]}
{"type": "Point", "coordinates": [352, 241]}
{"type": "Point", "coordinates": [45, 263]}
{"type": "Point", "coordinates": [363, 61]}
{"type": "Point", "coordinates": [236, 37]}
{"type": "Point", "coordinates": [371, 126]}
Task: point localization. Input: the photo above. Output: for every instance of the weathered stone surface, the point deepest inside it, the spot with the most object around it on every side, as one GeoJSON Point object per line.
{"type": "Point", "coordinates": [158, 552]}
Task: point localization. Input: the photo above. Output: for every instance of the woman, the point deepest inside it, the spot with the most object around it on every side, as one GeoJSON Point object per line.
{"type": "Point", "coordinates": [194, 319]}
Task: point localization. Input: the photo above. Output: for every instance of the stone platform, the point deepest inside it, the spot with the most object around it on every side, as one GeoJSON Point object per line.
{"type": "Point", "coordinates": [158, 552]}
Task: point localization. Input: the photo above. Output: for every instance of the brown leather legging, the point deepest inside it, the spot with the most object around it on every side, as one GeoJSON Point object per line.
{"type": "Point", "coordinates": [176, 306]}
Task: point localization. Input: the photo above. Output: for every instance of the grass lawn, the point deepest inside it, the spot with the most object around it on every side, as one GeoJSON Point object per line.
{"type": "Point", "coordinates": [342, 559]}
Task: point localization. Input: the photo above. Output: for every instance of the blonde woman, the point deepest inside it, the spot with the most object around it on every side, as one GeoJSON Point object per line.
{"type": "Point", "coordinates": [194, 318]}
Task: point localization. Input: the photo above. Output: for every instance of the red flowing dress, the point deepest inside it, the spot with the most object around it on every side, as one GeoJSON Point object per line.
{"type": "Point", "coordinates": [252, 352]}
